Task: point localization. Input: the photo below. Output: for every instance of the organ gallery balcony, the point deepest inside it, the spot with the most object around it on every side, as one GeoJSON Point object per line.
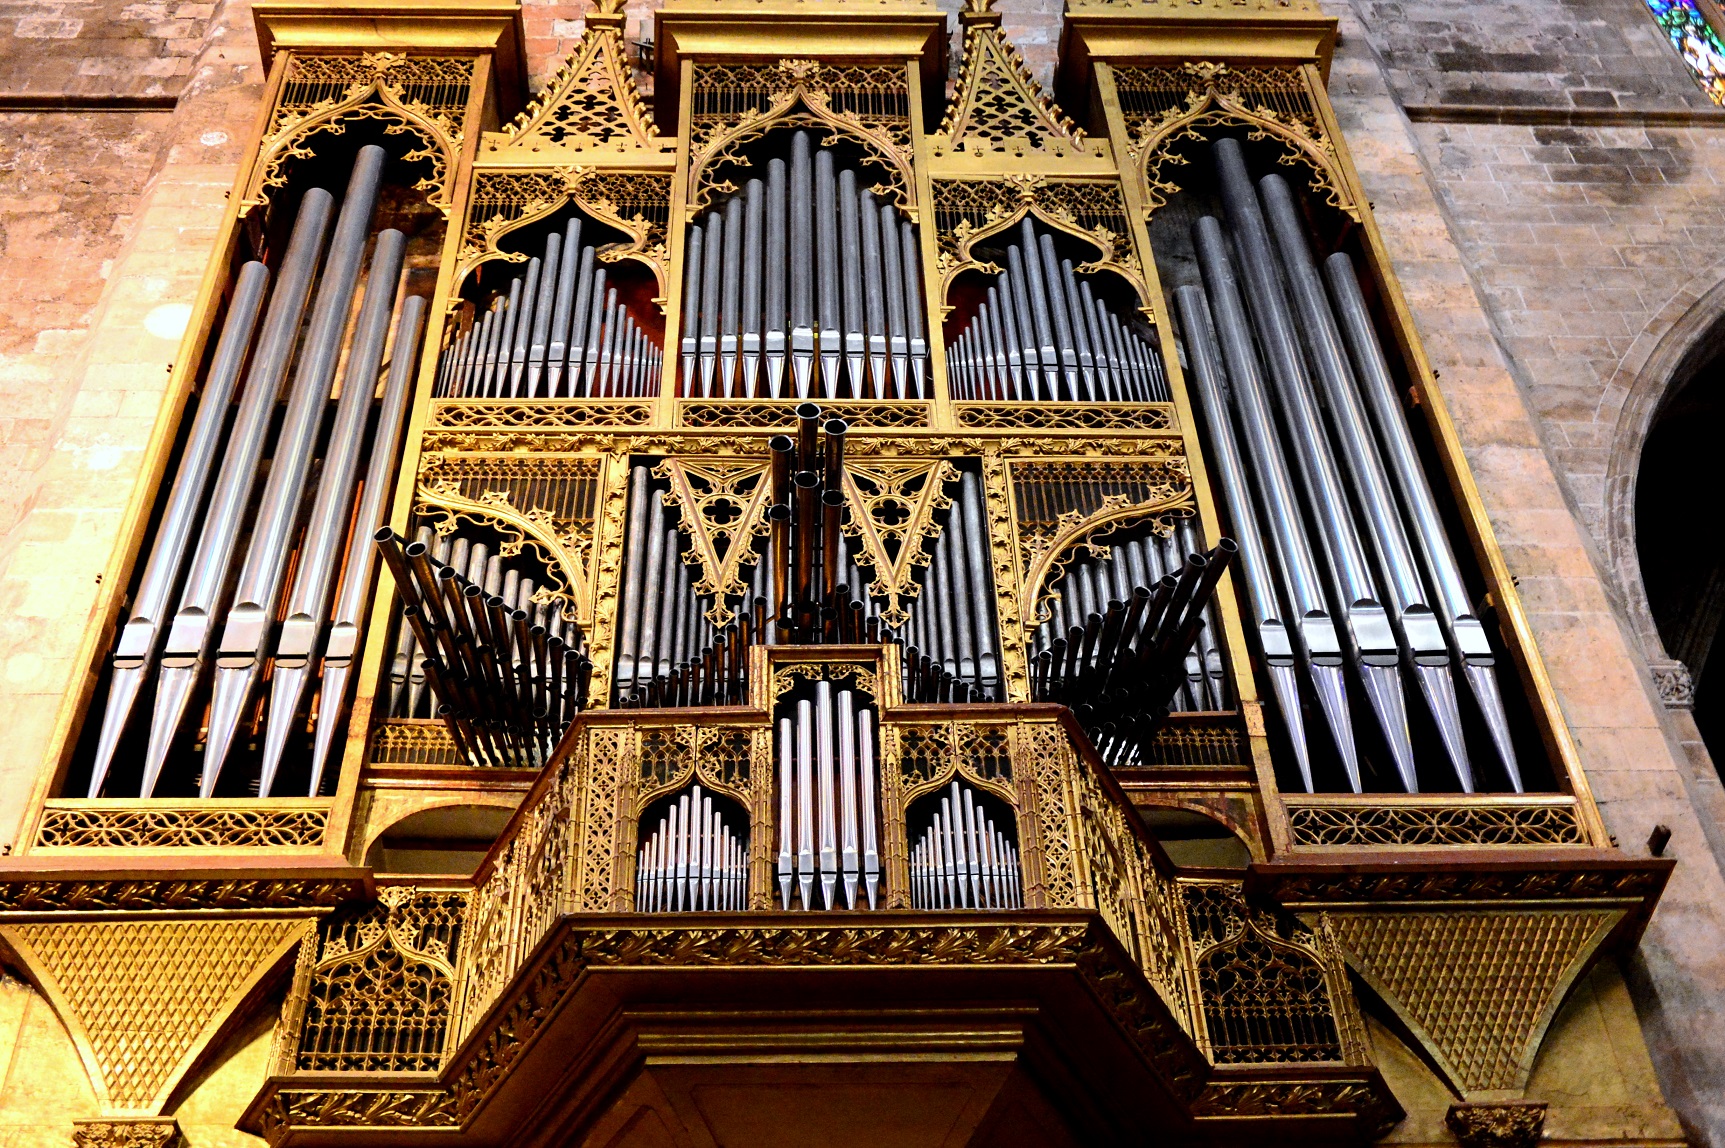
{"type": "Point", "coordinates": [824, 916]}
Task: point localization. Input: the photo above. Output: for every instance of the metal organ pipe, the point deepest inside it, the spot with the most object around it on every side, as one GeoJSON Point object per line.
{"type": "Point", "coordinates": [192, 629]}
{"type": "Point", "coordinates": [240, 653]}
{"type": "Point", "coordinates": [1040, 332]}
{"type": "Point", "coordinates": [560, 324]}
{"type": "Point", "coordinates": [830, 282]}
{"type": "Point", "coordinates": [141, 640]}
{"type": "Point", "coordinates": [1455, 609]}
{"type": "Point", "coordinates": [1411, 613]}
{"type": "Point", "coordinates": [692, 861]}
{"type": "Point", "coordinates": [828, 803]}
{"type": "Point", "coordinates": [964, 859]}
{"type": "Point", "coordinates": [314, 578]}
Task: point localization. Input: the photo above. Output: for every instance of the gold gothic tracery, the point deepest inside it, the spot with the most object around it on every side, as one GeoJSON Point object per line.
{"type": "Point", "coordinates": [1166, 106]}
{"type": "Point", "coordinates": [998, 108]}
{"type": "Point", "coordinates": [591, 105]}
{"type": "Point", "coordinates": [423, 96]}
{"type": "Point", "coordinates": [968, 212]}
{"type": "Point", "coordinates": [636, 203]}
{"type": "Point", "coordinates": [735, 104]}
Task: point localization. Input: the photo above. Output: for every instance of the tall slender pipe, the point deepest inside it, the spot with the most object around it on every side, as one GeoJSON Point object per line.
{"type": "Point", "coordinates": [898, 331]}
{"type": "Point", "coordinates": [802, 243]}
{"type": "Point", "coordinates": [1416, 623]}
{"type": "Point", "coordinates": [754, 256]}
{"type": "Point", "coordinates": [1318, 640]}
{"type": "Point", "coordinates": [239, 657]}
{"type": "Point", "coordinates": [778, 233]}
{"type": "Point", "coordinates": [692, 279]}
{"type": "Point", "coordinates": [874, 293]}
{"type": "Point", "coordinates": [911, 260]}
{"type": "Point", "coordinates": [827, 283]}
{"type": "Point", "coordinates": [140, 640]}
{"type": "Point", "coordinates": [562, 308]}
{"type": "Point", "coordinates": [314, 576]}
{"type": "Point", "coordinates": [349, 617]}
{"type": "Point", "coordinates": [1454, 607]}
{"type": "Point", "coordinates": [730, 326]}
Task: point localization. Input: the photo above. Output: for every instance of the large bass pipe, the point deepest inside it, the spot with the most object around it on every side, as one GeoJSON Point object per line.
{"type": "Point", "coordinates": [964, 860]}
{"type": "Point", "coordinates": [314, 577]}
{"type": "Point", "coordinates": [246, 631]}
{"type": "Point", "coordinates": [692, 861]}
{"type": "Point", "coordinates": [828, 802]}
{"type": "Point", "coordinates": [141, 640]}
{"type": "Point", "coordinates": [341, 646]}
{"type": "Point", "coordinates": [556, 331]}
{"type": "Point", "coordinates": [803, 272]}
{"type": "Point", "coordinates": [1371, 639]}
{"type": "Point", "coordinates": [1455, 609]}
{"type": "Point", "coordinates": [1410, 611]}
{"type": "Point", "coordinates": [192, 632]}
{"type": "Point", "coordinates": [1041, 333]}
{"type": "Point", "coordinates": [1316, 640]}
{"type": "Point", "coordinates": [1269, 618]}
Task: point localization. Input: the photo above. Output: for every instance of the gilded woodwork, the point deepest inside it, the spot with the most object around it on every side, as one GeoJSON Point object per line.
{"type": "Point", "coordinates": [1496, 1125]}
{"type": "Point", "coordinates": [1397, 821]}
{"type": "Point", "coordinates": [143, 1133]}
{"type": "Point", "coordinates": [636, 203]}
{"type": "Point", "coordinates": [590, 108]}
{"type": "Point", "coordinates": [509, 414]}
{"type": "Point", "coordinates": [24, 894]}
{"type": "Point", "coordinates": [142, 998]}
{"type": "Point", "coordinates": [424, 97]}
{"type": "Point", "coordinates": [1476, 987]}
{"type": "Point", "coordinates": [1165, 107]}
{"type": "Point", "coordinates": [410, 741]}
{"type": "Point", "coordinates": [971, 211]}
{"type": "Point", "coordinates": [69, 824]}
{"type": "Point", "coordinates": [735, 103]}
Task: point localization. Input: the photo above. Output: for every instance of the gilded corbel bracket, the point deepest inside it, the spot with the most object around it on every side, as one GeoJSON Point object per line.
{"type": "Point", "coordinates": [144, 998]}
{"type": "Point", "coordinates": [637, 203]}
{"type": "Point", "coordinates": [1173, 105]}
{"type": "Point", "coordinates": [592, 107]}
{"type": "Point", "coordinates": [410, 94]}
{"type": "Point", "coordinates": [1477, 987]}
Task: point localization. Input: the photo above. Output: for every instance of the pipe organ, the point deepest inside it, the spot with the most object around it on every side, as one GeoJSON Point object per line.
{"type": "Point", "coordinates": [1004, 480]}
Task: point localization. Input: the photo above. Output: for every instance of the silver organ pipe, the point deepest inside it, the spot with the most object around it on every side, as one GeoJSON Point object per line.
{"type": "Point", "coordinates": [804, 270]}
{"type": "Point", "coordinates": [141, 640]}
{"type": "Point", "coordinates": [951, 644]}
{"type": "Point", "coordinates": [240, 651]}
{"type": "Point", "coordinates": [828, 803]}
{"type": "Point", "coordinates": [965, 859]}
{"type": "Point", "coordinates": [1040, 333]}
{"type": "Point", "coordinates": [1339, 416]}
{"type": "Point", "coordinates": [1410, 610]}
{"type": "Point", "coordinates": [693, 860]}
{"type": "Point", "coordinates": [191, 632]}
{"type": "Point", "coordinates": [1369, 641]}
{"type": "Point", "coordinates": [557, 331]}
{"type": "Point", "coordinates": [1455, 609]}
{"type": "Point", "coordinates": [319, 534]}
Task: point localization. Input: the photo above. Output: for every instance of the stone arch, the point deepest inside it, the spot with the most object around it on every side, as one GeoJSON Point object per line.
{"type": "Point", "coordinates": [459, 829]}
{"type": "Point", "coordinates": [1686, 334]}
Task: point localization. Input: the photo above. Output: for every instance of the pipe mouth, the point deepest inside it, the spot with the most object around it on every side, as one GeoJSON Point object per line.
{"type": "Point", "coordinates": [781, 443]}
{"type": "Point", "coordinates": [384, 534]}
{"type": "Point", "coordinates": [836, 427]}
{"type": "Point", "coordinates": [807, 479]}
{"type": "Point", "coordinates": [808, 412]}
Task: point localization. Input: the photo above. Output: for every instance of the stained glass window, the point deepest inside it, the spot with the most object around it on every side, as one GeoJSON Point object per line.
{"type": "Point", "coordinates": [1696, 40]}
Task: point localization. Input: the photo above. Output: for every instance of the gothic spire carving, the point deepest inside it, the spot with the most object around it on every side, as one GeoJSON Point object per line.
{"type": "Point", "coordinates": [998, 107]}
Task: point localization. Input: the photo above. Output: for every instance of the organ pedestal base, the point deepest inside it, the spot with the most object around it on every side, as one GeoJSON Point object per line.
{"type": "Point", "coordinates": [885, 1029]}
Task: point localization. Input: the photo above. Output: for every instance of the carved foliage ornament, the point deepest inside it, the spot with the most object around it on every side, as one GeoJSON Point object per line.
{"type": "Point", "coordinates": [736, 103]}
{"type": "Point", "coordinates": [967, 212]}
{"type": "Point", "coordinates": [1167, 107]}
{"type": "Point", "coordinates": [163, 1132]}
{"type": "Point", "coordinates": [636, 203]}
{"type": "Point", "coordinates": [423, 96]}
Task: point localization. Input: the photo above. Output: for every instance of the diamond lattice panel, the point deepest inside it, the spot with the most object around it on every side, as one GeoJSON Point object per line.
{"type": "Point", "coordinates": [145, 990]}
{"type": "Point", "coordinates": [1478, 983]}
